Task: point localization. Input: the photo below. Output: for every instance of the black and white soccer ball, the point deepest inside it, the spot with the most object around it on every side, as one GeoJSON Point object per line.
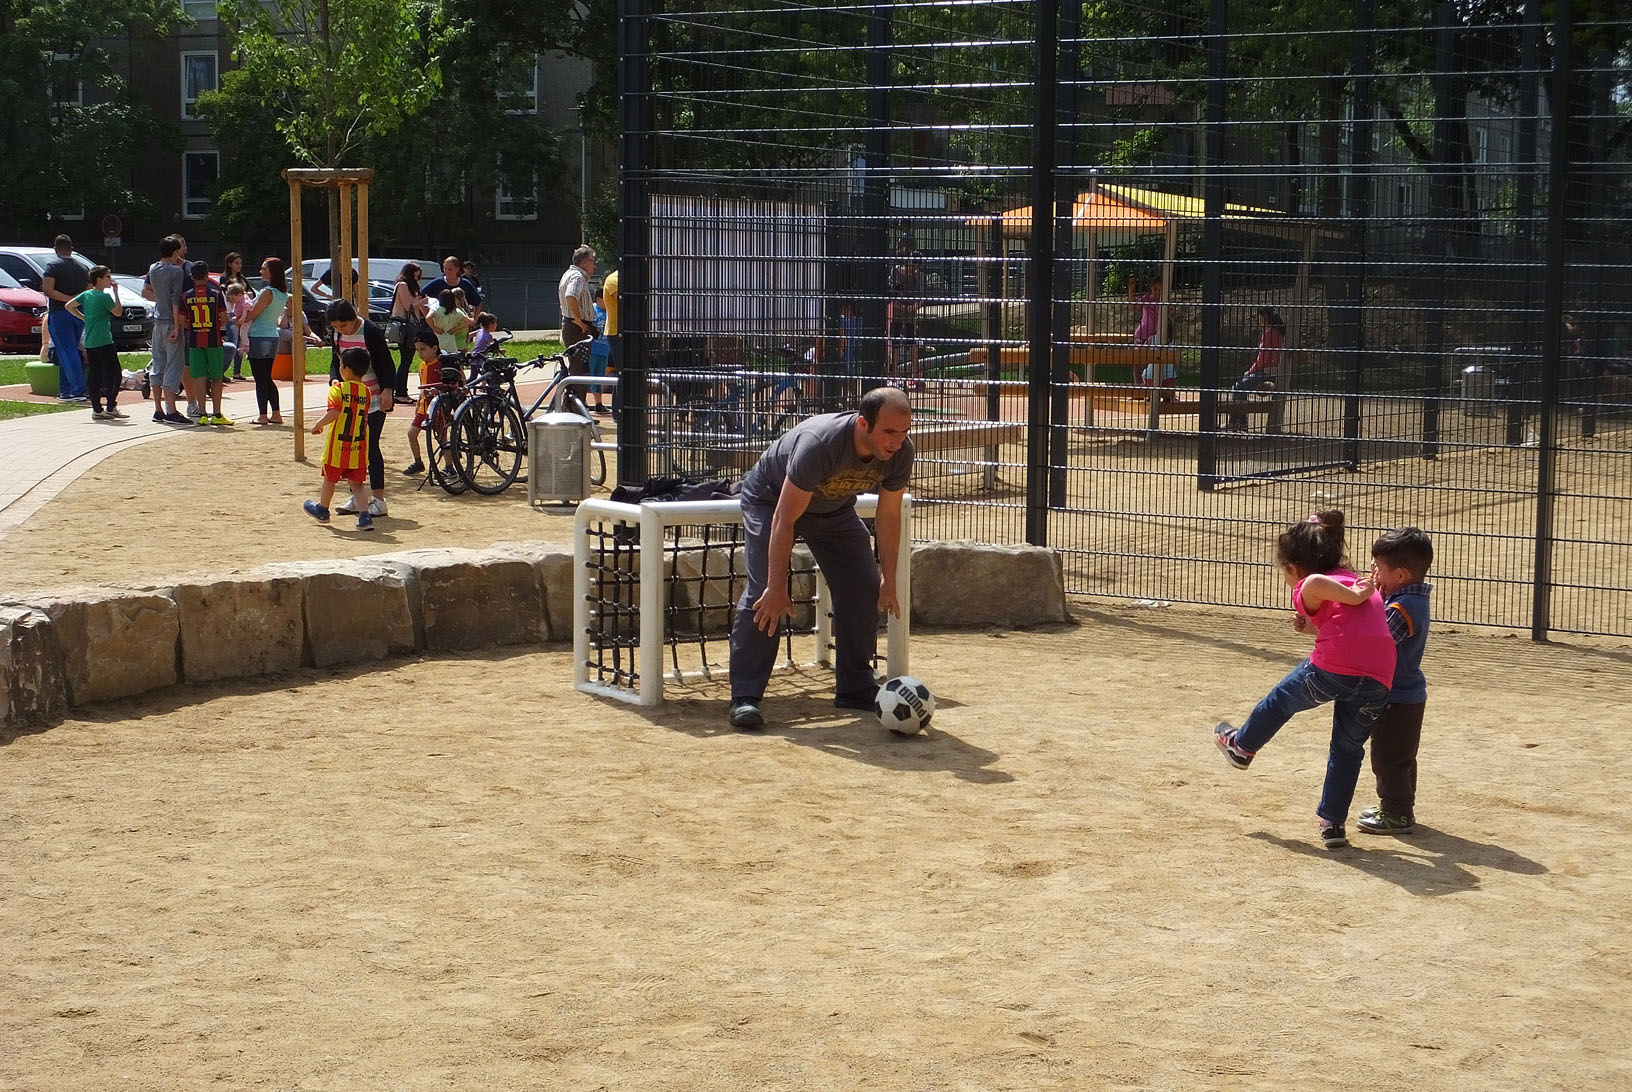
{"type": "Point", "coordinates": [904, 705]}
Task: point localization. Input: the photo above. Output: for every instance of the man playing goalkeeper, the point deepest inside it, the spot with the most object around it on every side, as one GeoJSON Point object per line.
{"type": "Point", "coordinates": [806, 485]}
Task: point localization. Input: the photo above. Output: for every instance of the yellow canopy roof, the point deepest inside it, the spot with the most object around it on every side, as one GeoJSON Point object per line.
{"type": "Point", "coordinates": [1111, 209]}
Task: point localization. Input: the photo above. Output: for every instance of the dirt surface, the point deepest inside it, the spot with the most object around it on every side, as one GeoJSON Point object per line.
{"type": "Point", "coordinates": [459, 874]}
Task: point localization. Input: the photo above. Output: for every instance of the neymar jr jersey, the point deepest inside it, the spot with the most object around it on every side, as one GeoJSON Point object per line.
{"type": "Point", "coordinates": [204, 308]}
{"type": "Point", "coordinates": [347, 448]}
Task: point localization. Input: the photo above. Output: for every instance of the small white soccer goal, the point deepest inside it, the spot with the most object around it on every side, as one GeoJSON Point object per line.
{"type": "Point", "coordinates": [665, 576]}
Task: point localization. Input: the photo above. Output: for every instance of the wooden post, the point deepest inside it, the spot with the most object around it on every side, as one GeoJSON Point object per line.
{"type": "Point", "coordinates": [362, 248]}
{"type": "Point", "coordinates": [340, 274]}
{"type": "Point", "coordinates": [297, 350]}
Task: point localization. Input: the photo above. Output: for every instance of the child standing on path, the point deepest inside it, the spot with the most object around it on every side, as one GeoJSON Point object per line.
{"type": "Point", "coordinates": [92, 307]}
{"type": "Point", "coordinates": [430, 380]}
{"type": "Point", "coordinates": [345, 454]}
{"type": "Point", "coordinates": [204, 311]}
{"type": "Point", "coordinates": [1352, 665]}
{"type": "Point", "coordinates": [1399, 562]}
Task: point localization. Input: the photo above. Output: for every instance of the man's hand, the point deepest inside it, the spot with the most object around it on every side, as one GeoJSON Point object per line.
{"type": "Point", "coordinates": [770, 608]}
{"type": "Point", "coordinates": [887, 600]}
{"type": "Point", "coordinates": [175, 332]}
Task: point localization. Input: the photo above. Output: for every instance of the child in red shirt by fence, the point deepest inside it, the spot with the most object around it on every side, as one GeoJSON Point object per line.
{"type": "Point", "coordinates": [345, 454]}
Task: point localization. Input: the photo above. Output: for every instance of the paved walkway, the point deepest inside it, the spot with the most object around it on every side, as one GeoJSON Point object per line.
{"type": "Point", "coordinates": [42, 455]}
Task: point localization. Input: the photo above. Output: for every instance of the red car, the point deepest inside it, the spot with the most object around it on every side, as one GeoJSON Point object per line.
{"type": "Point", "coordinates": [22, 313]}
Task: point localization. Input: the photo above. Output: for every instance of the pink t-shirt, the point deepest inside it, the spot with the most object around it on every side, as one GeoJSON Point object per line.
{"type": "Point", "coordinates": [1350, 640]}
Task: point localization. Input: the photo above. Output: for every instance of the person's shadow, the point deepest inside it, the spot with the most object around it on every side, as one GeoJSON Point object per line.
{"type": "Point", "coordinates": [810, 720]}
{"type": "Point", "coordinates": [1428, 862]}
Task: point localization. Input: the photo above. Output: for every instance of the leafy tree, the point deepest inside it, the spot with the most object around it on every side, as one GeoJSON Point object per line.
{"type": "Point", "coordinates": [61, 156]}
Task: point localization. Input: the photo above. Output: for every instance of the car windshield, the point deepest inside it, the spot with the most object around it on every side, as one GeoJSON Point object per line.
{"type": "Point", "coordinates": [7, 280]}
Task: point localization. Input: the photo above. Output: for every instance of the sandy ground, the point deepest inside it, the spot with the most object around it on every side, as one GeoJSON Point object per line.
{"type": "Point", "coordinates": [459, 874]}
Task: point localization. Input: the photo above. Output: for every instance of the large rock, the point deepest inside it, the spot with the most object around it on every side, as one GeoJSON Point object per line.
{"type": "Point", "coordinates": [554, 567]}
{"type": "Point", "coordinates": [474, 599]}
{"type": "Point", "coordinates": [240, 625]}
{"type": "Point", "coordinates": [356, 610]}
{"type": "Point", "coordinates": [967, 584]}
{"type": "Point", "coordinates": [116, 643]}
{"type": "Point", "coordinates": [35, 688]}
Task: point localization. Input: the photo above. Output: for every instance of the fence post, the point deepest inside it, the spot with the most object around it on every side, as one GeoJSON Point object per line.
{"type": "Point", "coordinates": [1212, 244]}
{"type": "Point", "coordinates": [1439, 212]}
{"type": "Point", "coordinates": [1064, 208]}
{"type": "Point", "coordinates": [1552, 315]}
{"type": "Point", "coordinates": [875, 197]}
{"type": "Point", "coordinates": [1040, 262]}
{"type": "Point", "coordinates": [1524, 215]}
{"type": "Point", "coordinates": [634, 222]}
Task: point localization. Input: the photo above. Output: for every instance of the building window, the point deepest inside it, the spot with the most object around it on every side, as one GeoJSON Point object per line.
{"type": "Point", "coordinates": [199, 172]}
{"type": "Point", "coordinates": [520, 94]}
{"type": "Point", "coordinates": [199, 73]}
{"type": "Point", "coordinates": [198, 10]}
{"type": "Point", "coordinates": [1481, 145]}
{"type": "Point", "coordinates": [517, 202]}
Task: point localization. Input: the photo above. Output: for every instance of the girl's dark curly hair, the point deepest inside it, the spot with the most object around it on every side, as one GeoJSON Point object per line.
{"type": "Point", "coordinates": [1315, 545]}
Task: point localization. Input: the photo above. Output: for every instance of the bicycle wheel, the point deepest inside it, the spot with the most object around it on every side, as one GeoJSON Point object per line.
{"type": "Point", "coordinates": [441, 456]}
{"type": "Point", "coordinates": [491, 442]}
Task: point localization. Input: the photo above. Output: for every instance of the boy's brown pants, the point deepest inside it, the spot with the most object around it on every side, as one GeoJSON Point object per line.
{"type": "Point", "coordinates": [1394, 741]}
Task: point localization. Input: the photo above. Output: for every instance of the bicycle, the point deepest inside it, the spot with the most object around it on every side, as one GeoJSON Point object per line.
{"type": "Point", "coordinates": [440, 467]}
{"type": "Point", "coordinates": [489, 431]}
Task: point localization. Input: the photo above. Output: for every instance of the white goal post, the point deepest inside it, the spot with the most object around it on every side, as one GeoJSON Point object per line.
{"type": "Point", "coordinates": [599, 522]}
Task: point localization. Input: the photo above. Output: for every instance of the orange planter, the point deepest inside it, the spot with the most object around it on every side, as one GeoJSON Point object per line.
{"type": "Point", "coordinates": [283, 366]}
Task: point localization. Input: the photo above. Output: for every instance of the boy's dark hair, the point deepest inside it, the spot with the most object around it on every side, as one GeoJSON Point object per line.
{"type": "Point", "coordinates": [879, 397]}
{"type": "Point", "coordinates": [1315, 545]}
{"type": "Point", "coordinates": [97, 273]}
{"type": "Point", "coordinates": [169, 245]}
{"type": "Point", "coordinates": [1408, 548]}
{"type": "Point", "coordinates": [357, 361]}
{"type": "Point", "coordinates": [342, 311]}
{"type": "Point", "coordinates": [425, 337]}
{"type": "Point", "coordinates": [201, 271]}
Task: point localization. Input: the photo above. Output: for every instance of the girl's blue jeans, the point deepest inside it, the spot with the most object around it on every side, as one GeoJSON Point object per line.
{"type": "Point", "coordinates": [1356, 703]}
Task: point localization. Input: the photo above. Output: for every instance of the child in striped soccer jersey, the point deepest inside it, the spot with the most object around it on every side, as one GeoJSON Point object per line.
{"type": "Point", "coordinates": [204, 310]}
{"type": "Point", "coordinates": [345, 454]}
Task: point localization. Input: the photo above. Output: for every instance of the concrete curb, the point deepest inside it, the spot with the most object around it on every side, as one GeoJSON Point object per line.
{"type": "Point", "coordinates": [68, 648]}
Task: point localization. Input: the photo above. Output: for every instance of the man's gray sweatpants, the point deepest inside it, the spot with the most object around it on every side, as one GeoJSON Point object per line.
{"type": "Point", "coordinates": [844, 552]}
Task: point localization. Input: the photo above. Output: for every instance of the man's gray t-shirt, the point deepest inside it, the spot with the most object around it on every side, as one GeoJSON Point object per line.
{"type": "Point", "coordinates": [819, 455]}
{"type": "Point", "coordinates": [68, 277]}
{"type": "Point", "coordinates": [169, 285]}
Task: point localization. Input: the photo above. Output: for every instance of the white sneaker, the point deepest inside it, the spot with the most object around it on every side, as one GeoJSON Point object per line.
{"type": "Point", "coordinates": [346, 507]}
{"type": "Point", "coordinates": [376, 507]}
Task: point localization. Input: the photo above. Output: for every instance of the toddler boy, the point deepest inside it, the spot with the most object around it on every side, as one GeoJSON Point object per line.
{"type": "Point", "coordinates": [1399, 565]}
{"type": "Point", "coordinates": [345, 455]}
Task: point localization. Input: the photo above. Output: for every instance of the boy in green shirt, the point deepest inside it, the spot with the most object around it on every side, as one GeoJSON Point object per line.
{"type": "Point", "coordinates": [94, 307]}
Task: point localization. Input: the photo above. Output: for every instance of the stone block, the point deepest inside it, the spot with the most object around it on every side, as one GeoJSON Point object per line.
{"type": "Point", "coordinates": [477, 599]}
{"type": "Point", "coordinates": [237, 626]}
{"type": "Point", "coordinates": [968, 584]}
{"type": "Point", "coordinates": [554, 567]}
{"type": "Point", "coordinates": [116, 643]}
{"type": "Point", "coordinates": [35, 693]}
{"type": "Point", "coordinates": [354, 610]}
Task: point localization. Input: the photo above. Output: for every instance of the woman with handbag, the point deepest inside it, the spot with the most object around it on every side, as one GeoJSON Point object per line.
{"type": "Point", "coordinates": [407, 317]}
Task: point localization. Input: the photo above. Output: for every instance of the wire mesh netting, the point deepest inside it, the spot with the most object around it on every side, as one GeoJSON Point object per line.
{"type": "Point", "coordinates": [1334, 255]}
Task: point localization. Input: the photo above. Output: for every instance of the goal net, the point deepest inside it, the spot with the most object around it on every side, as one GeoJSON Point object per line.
{"type": "Point", "coordinates": [655, 591]}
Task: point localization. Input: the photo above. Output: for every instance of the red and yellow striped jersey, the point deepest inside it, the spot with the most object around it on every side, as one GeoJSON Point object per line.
{"type": "Point", "coordinates": [347, 448]}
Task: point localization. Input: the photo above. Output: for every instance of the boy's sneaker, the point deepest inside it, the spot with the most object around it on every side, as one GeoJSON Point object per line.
{"type": "Point", "coordinates": [365, 522]}
{"type": "Point", "coordinates": [158, 417]}
{"type": "Point", "coordinates": [316, 511]}
{"type": "Point", "coordinates": [1224, 736]}
{"type": "Point", "coordinates": [177, 418]}
{"type": "Point", "coordinates": [1333, 835]}
{"type": "Point", "coordinates": [1378, 821]}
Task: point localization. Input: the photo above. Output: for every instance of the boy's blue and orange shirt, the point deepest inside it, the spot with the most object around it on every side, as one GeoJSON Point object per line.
{"type": "Point", "coordinates": [347, 447]}
{"type": "Point", "coordinates": [1407, 614]}
{"type": "Point", "coordinates": [204, 308]}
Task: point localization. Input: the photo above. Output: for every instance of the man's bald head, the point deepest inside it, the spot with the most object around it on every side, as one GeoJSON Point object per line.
{"type": "Point", "coordinates": [878, 398]}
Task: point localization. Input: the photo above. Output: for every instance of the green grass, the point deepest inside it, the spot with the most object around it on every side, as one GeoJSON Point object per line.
{"type": "Point", "coordinates": [8, 410]}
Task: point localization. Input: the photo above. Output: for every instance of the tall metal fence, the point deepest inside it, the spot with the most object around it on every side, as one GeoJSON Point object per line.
{"type": "Point", "coordinates": [1373, 259]}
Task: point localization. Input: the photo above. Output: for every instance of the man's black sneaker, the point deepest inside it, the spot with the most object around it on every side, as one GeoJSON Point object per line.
{"type": "Point", "coordinates": [746, 716]}
{"type": "Point", "coordinates": [178, 418]}
{"type": "Point", "coordinates": [851, 701]}
{"type": "Point", "coordinates": [1333, 835]}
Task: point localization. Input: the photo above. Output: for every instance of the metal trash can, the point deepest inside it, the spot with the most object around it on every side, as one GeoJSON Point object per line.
{"type": "Point", "coordinates": [1478, 391]}
{"type": "Point", "coordinates": [558, 458]}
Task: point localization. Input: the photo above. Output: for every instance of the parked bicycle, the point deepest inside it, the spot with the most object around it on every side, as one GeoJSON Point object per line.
{"type": "Point", "coordinates": [488, 435]}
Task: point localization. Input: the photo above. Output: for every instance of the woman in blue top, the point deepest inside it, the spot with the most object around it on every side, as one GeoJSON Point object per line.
{"type": "Point", "coordinates": [270, 308]}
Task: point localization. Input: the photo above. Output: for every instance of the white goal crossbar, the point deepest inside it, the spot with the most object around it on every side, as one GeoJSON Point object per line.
{"type": "Point", "coordinates": [650, 520]}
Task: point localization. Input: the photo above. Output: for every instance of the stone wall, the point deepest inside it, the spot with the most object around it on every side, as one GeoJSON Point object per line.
{"type": "Point", "coordinates": [75, 647]}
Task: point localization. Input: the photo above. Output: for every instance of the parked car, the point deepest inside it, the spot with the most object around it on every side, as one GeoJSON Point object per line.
{"type": "Point", "coordinates": [382, 284]}
{"type": "Point", "coordinates": [134, 330]}
{"type": "Point", "coordinates": [22, 312]}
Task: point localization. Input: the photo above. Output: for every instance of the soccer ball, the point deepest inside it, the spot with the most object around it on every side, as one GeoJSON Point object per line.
{"type": "Point", "coordinates": [904, 705]}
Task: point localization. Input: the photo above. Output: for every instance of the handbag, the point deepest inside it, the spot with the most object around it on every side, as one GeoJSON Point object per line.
{"type": "Point", "coordinates": [396, 330]}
